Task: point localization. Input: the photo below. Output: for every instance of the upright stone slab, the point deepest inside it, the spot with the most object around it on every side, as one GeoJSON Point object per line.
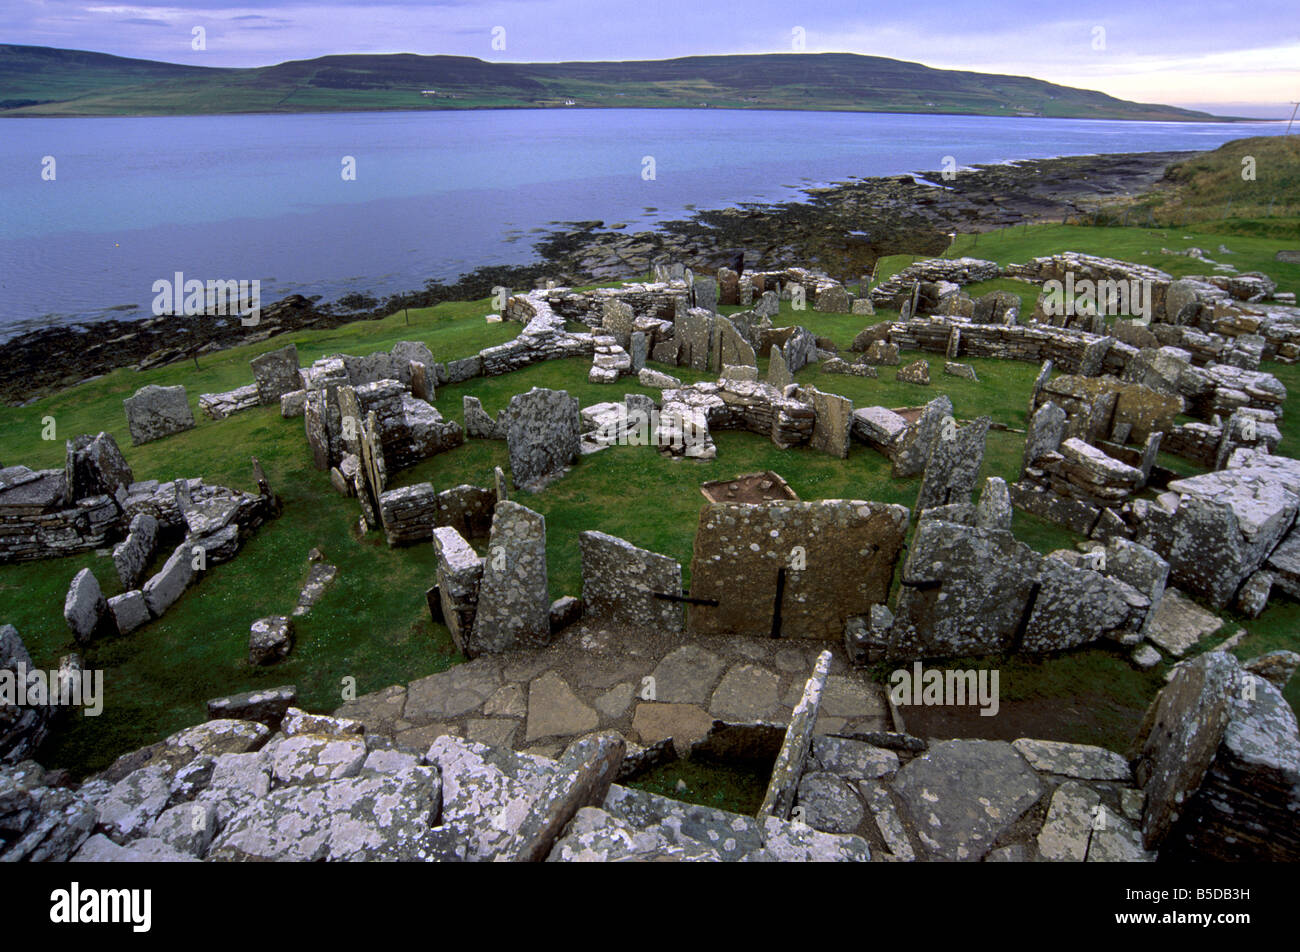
{"type": "Point", "coordinates": [95, 466]}
{"type": "Point", "coordinates": [954, 465]}
{"type": "Point", "coordinates": [768, 305]}
{"type": "Point", "coordinates": [833, 423]}
{"type": "Point", "coordinates": [800, 349]}
{"type": "Point", "coordinates": [85, 609]}
{"type": "Point", "coordinates": [731, 348]}
{"type": "Point", "coordinates": [543, 431]}
{"type": "Point", "coordinates": [513, 603]}
{"type": "Point", "coordinates": [913, 447]}
{"type": "Point", "coordinates": [964, 592]}
{"type": "Point", "coordinates": [778, 800]}
{"type": "Point", "coordinates": [276, 373]}
{"type": "Point", "coordinates": [1046, 431]}
{"type": "Point", "coordinates": [792, 569]}
{"type": "Point", "coordinates": [638, 350]}
{"type": "Point", "coordinates": [1179, 737]}
{"type": "Point", "coordinates": [778, 374]}
{"type": "Point", "coordinates": [694, 332]}
{"type": "Point", "coordinates": [460, 573]}
{"type": "Point", "coordinates": [154, 412]}
{"type": "Point", "coordinates": [994, 508]}
{"type": "Point", "coordinates": [706, 294]}
{"type": "Point", "coordinates": [132, 555]}
{"type": "Point", "coordinates": [617, 319]}
{"type": "Point", "coordinates": [620, 583]}
{"type": "Point", "coordinates": [728, 286]}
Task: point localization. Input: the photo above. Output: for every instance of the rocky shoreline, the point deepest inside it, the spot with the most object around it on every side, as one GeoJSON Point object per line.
{"type": "Point", "coordinates": [842, 229]}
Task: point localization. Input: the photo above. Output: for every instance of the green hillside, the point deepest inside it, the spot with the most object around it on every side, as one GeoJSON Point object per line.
{"type": "Point", "coordinates": [41, 81]}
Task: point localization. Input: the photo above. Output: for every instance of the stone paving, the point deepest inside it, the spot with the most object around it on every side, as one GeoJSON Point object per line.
{"type": "Point", "coordinates": [646, 686]}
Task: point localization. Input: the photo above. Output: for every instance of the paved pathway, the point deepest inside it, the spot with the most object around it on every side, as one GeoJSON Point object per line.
{"type": "Point", "coordinates": [647, 686]}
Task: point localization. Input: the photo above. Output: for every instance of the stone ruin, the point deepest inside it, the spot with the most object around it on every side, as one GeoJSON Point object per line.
{"type": "Point", "coordinates": [1213, 772]}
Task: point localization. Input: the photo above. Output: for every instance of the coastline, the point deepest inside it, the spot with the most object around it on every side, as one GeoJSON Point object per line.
{"type": "Point", "coordinates": [843, 229]}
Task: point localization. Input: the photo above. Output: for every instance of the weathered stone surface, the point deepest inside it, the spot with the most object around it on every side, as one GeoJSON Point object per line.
{"type": "Point", "coordinates": [1046, 431]}
{"type": "Point", "coordinates": [154, 412]}
{"type": "Point", "coordinates": [620, 583]}
{"type": "Point", "coordinates": [270, 639]}
{"type": "Point", "coordinates": [962, 794]}
{"type": "Point", "coordinates": [478, 425]}
{"type": "Point", "coordinates": [654, 378]}
{"type": "Point", "coordinates": [852, 759]}
{"type": "Point", "coordinates": [276, 373]}
{"type": "Point", "coordinates": [964, 592]}
{"type": "Point", "coordinates": [1179, 738]}
{"type": "Point", "coordinates": [829, 560]}
{"type": "Point", "coordinates": [747, 692]}
{"type": "Point", "coordinates": [514, 602]}
{"type": "Point", "coordinates": [1070, 817]}
{"type": "Point", "coordinates": [129, 611]}
{"type": "Point", "coordinates": [954, 465]}
{"type": "Point", "coordinates": [684, 724]}
{"type": "Point", "coordinates": [912, 447]}
{"type": "Point", "coordinates": [917, 372]}
{"type": "Point", "coordinates": [553, 709]}
{"type": "Point", "coordinates": [543, 433]}
{"type": "Point", "coordinates": [778, 374]}
{"type": "Point", "coordinates": [1178, 623]}
{"type": "Point", "coordinates": [827, 803]}
{"type": "Point", "coordinates": [583, 777]}
{"type": "Point", "coordinates": [1078, 761]}
{"type": "Point", "coordinates": [94, 466]}
{"type": "Point", "coordinates": [348, 819]}
{"type": "Point", "coordinates": [686, 675]}
{"type": "Point", "coordinates": [1245, 807]}
{"type": "Point", "coordinates": [265, 706]}
{"type": "Point", "coordinates": [177, 574]}
{"type": "Point", "coordinates": [994, 508]}
{"type": "Point", "coordinates": [783, 786]}
{"type": "Point", "coordinates": [833, 422]}
{"type": "Point", "coordinates": [132, 555]}
{"type": "Point", "coordinates": [460, 572]}
{"type": "Point", "coordinates": [85, 609]}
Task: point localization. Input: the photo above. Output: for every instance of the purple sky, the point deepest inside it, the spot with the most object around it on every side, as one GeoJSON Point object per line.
{"type": "Point", "coordinates": [1227, 56]}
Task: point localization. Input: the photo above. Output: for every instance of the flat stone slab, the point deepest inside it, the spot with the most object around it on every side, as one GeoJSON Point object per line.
{"type": "Point", "coordinates": [1080, 761]}
{"type": "Point", "coordinates": [962, 794]}
{"type": "Point", "coordinates": [684, 723]}
{"type": "Point", "coordinates": [747, 693]}
{"type": "Point", "coordinates": [450, 693]}
{"type": "Point", "coordinates": [687, 676]}
{"type": "Point", "coordinates": [1178, 623]}
{"type": "Point", "coordinates": [553, 708]}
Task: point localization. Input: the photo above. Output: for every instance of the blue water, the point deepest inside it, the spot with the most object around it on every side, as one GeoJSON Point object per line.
{"type": "Point", "coordinates": [436, 194]}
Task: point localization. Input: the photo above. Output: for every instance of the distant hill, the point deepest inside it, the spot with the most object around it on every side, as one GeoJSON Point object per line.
{"type": "Point", "coordinates": [42, 81]}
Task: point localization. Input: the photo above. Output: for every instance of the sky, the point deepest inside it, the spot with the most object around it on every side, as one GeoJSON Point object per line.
{"type": "Point", "coordinates": [1239, 57]}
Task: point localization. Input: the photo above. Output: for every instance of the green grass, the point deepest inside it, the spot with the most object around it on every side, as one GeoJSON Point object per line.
{"type": "Point", "coordinates": [373, 626]}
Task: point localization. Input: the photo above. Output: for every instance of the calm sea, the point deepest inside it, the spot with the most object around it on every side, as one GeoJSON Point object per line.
{"type": "Point", "coordinates": [435, 194]}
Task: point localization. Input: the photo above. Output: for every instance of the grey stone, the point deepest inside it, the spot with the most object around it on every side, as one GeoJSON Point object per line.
{"type": "Point", "coordinates": [276, 373]}
{"type": "Point", "coordinates": [85, 609]}
{"type": "Point", "coordinates": [513, 601]}
{"type": "Point", "coordinates": [270, 640]}
{"type": "Point", "coordinates": [154, 412]}
{"type": "Point", "coordinates": [543, 434]}
{"type": "Point", "coordinates": [961, 795]}
{"type": "Point", "coordinates": [620, 582]}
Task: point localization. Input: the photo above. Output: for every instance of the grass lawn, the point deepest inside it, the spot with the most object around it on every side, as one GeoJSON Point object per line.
{"type": "Point", "coordinates": [372, 627]}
